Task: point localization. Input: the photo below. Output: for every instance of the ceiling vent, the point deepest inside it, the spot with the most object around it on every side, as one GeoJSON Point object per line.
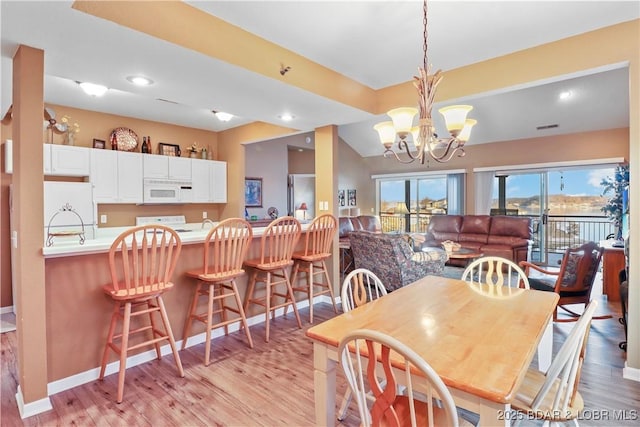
{"type": "Point", "coordinates": [166, 100]}
{"type": "Point", "coordinates": [546, 127]}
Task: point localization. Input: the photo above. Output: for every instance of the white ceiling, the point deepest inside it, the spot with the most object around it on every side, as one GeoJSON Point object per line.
{"type": "Point", "coordinates": [378, 43]}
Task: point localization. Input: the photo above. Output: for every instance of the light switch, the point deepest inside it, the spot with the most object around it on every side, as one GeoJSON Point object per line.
{"type": "Point", "coordinates": [103, 219]}
{"type": "Point", "coordinates": [204, 214]}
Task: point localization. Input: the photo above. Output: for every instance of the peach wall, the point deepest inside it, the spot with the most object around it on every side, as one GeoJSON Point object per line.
{"type": "Point", "coordinates": [99, 126]}
{"type": "Point", "coordinates": [573, 147]}
{"type": "Point", "coordinates": [218, 39]}
{"type": "Point", "coordinates": [28, 207]}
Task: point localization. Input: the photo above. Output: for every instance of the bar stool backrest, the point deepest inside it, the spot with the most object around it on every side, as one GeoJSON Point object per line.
{"type": "Point", "coordinates": [226, 245]}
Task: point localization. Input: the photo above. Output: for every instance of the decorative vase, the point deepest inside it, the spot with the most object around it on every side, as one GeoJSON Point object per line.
{"type": "Point", "coordinates": [69, 139]}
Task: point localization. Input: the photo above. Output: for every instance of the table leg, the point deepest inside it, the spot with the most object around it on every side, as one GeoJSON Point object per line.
{"type": "Point", "coordinates": [545, 348]}
{"type": "Point", "coordinates": [324, 382]}
{"type": "Point", "coordinates": [495, 414]}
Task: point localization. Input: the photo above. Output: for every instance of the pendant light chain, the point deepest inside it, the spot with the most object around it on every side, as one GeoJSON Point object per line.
{"type": "Point", "coordinates": [425, 35]}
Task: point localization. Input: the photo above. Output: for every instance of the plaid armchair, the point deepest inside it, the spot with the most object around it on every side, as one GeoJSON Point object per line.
{"type": "Point", "coordinates": [391, 258]}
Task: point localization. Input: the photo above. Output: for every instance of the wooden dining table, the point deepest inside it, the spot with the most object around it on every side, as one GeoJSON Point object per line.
{"type": "Point", "coordinates": [480, 340]}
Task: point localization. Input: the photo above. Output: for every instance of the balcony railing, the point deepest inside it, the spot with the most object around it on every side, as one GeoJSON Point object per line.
{"type": "Point", "coordinates": [563, 231]}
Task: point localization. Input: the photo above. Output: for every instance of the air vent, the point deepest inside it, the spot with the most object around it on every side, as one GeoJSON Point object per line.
{"type": "Point", "coordinates": [546, 127]}
{"type": "Point", "coordinates": [166, 100]}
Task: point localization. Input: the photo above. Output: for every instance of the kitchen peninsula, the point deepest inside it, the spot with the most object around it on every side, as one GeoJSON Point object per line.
{"type": "Point", "coordinates": [78, 311]}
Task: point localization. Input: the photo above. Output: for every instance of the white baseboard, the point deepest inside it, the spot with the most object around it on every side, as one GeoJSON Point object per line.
{"type": "Point", "coordinates": [630, 373]}
{"type": "Point", "coordinates": [112, 368]}
{"type": "Point", "coordinates": [32, 408]}
{"type": "Point", "coordinates": [7, 309]}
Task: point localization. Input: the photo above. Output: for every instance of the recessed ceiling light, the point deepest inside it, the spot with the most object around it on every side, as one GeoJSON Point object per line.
{"type": "Point", "coordinates": [140, 80]}
{"type": "Point", "coordinates": [565, 95]}
{"type": "Point", "coordinates": [286, 117]}
{"type": "Point", "coordinates": [93, 89]}
{"type": "Point", "coordinates": [222, 116]}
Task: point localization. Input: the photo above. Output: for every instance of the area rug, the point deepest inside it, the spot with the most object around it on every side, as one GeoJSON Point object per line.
{"type": "Point", "coordinates": [452, 272]}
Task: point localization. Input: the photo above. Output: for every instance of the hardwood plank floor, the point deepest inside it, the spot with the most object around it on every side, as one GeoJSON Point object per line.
{"type": "Point", "coordinates": [272, 384]}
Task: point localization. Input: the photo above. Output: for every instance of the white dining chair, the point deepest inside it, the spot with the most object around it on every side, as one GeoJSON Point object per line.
{"type": "Point", "coordinates": [359, 287]}
{"type": "Point", "coordinates": [391, 407]}
{"type": "Point", "coordinates": [553, 396]}
{"type": "Point", "coordinates": [497, 271]}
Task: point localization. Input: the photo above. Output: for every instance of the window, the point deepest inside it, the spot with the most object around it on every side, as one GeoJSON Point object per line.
{"type": "Point", "coordinates": [407, 203]}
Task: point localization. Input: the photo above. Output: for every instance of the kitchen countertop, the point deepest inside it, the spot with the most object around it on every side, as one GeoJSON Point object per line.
{"type": "Point", "coordinates": [104, 237]}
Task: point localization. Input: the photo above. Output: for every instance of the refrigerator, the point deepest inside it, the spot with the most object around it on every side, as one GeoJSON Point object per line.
{"type": "Point", "coordinates": [302, 189]}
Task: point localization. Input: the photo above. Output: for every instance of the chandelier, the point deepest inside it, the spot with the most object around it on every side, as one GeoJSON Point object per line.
{"type": "Point", "coordinates": [425, 140]}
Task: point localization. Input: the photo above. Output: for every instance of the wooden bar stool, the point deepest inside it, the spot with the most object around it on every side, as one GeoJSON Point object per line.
{"type": "Point", "coordinates": [141, 260]}
{"type": "Point", "coordinates": [271, 268]}
{"type": "Point", "coordinates": [224, 250]}
{"type": "Point", "coordinates": [311, 260]}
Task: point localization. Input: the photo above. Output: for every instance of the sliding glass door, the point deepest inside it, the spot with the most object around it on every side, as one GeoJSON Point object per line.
{"type": "Point", "coordinates": [407, 204]}
{"type": "Point", "coordinates": [565, 206]}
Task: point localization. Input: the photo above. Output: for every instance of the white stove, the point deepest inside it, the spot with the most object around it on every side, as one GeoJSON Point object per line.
{"type": "Point", "coordinates": [173, 221]}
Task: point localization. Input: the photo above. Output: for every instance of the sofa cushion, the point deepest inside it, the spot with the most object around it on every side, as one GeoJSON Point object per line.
{"type": "Point", "coordinates": [370, 223]}
{"type": "Point", "coordinates": [511, 226]}
{"type": "Point", "coordinates": [497, 250]}
{"type": "Point", "coordinates": [474, 228]}
{"type": "Point", "coordinates": [355, 223]}
{"type": "Point", "coordinates": [345, 226]}
{"type": "Point", "coordinates": [443, 227]}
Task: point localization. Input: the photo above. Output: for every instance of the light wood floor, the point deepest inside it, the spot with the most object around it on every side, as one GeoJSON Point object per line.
{"type": "Point", "coordinates": [272, 385]}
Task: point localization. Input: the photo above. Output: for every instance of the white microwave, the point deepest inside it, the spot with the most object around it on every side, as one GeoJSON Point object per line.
{"type": "Point", "coordinates": [157, 191]}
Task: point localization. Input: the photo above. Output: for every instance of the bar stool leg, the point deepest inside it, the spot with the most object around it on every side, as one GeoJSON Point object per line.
{"type": "Point", "coordinates": [151, 309]}
{"type": "Point", "coordinates": [107, 347]}
{"type": "Point", "coordinates": [207, 348]}
{"type": "Point", "coordinates": [330, 286]}
{"type": "Point", "coordinates": [293, 301]}
{"type": "Point", "coordinates": [310, 285]}
{"type": "Point", "coordinates": [242, 312]}
{"type": "Point", "coordinates": [123, 350]}
{"type": "Point", "coordinates": [192, 314]}
{"type": "Point", "coordinates": [172, 342]}
{"type": "Point", "coordinates": [267, 313]}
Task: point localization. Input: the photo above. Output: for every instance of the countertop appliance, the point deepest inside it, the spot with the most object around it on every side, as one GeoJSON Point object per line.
{"type": "Point", "coordinates": [166, 191]}
{"type": "Point", "coordinates": [177, 222]}
{"type": "Point", "coordinates": [69, 212]}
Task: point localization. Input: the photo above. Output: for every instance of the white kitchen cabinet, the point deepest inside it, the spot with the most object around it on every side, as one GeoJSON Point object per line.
{"type": "Point", "coordinates": [219, 186]}
{"type": "Point", "coordinates": [155, 166]}
{"type": "Point", "coordinates": [201, 180]}
{"type": "Point", "coordinates": [116, 176]}
{"type": "Point", "coordinates": [104, 171]}
{"type": "Point", "coordinates": [180, 168]}
{"type": "Point", "coordinates": [67, 160]}
{"type": "Point", "coordinates": [129, 177]}
{"type": "Point", "coordinates": [167, 167]}
{"type": "Point", "coordinates": [46, 158]}
{"type": "Point", "coordinates": [60, 160]}
{"type": "Point", "coordinates": [209, 179]}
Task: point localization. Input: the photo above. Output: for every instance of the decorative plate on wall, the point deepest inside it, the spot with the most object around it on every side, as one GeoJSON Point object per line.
{"type": "Point", "coordinates": [126, 138]}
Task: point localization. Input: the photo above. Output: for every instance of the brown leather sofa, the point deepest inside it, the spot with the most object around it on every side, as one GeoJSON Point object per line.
{"type": "Point", "coordinates": [347, 224]}
{"type": "Point", "coordinates": [505, 236]}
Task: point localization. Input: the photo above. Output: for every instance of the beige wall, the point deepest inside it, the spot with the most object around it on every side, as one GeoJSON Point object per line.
{"type": "Point", "coordinates": [573, 147]}
{"type": "Point", "coordinates": [99, 126]}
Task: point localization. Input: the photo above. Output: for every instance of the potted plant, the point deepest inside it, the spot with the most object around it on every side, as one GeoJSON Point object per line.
{"type": "Point", "coordinates": [616, 185]}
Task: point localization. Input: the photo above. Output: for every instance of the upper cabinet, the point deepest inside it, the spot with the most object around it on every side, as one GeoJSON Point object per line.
{"type": "Point", "coordinates": [167, 167]}
{"type": "Point", "coordinates": [209, 179]}
{"type": "Point", "coordinates": [67, 160]}
{"type": "Point", "coordinates": [116, 176]}
{"type": "Point", "coordinates": [59, 160]}
{"type": "Point", "coordinates": [219, 193]}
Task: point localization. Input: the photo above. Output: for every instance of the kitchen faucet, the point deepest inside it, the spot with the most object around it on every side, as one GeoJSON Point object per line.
{"type": "Point", "coordinates": [207, 221]}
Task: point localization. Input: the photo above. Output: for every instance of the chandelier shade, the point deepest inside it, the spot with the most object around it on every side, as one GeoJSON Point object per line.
{"type": "Point", "coordinates": [426, 143]}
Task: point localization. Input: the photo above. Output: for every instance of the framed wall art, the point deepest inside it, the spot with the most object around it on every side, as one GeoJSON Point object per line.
{"type": "Point", "coordinates": [351, 195]}
{"type": "Point", "coordinates": [341, 201]}
{"type": "Point", "coordinates": [253, 192]}
{"type": "Point", "coordinates": [172, 150]}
